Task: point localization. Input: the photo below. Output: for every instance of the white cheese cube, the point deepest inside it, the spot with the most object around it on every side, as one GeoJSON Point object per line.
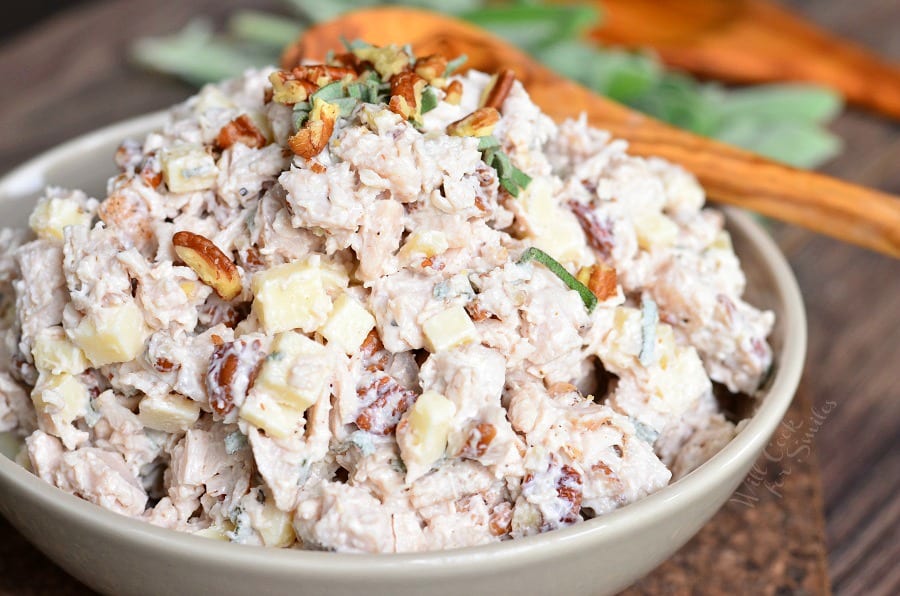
{"type": "Point", "coordinates": [722, 241]}
{"type": "Point", "coordinates": [169, 413]}
{"type": "Point", "coordinates": [294, 373]}
{"type": "Point", "coordinates": [551, 228]}
{"type": "Point", "coordinates": [51, 216]}
{"type": "Point", "coordinates": [348, 324]}
{"type": "Point", "coordinates": [449, 329]}
{"type": "Point", "coordinates": [295, 295]}
{"type": "Point", "coordinates": [277, 420]}
{"type": "Point", "coordinates": [427, 243]}
{"type": "Point", "coordinates": [188, 167]}
{"type": "Point", "coordinates": [274, 526]}
{"type": "Point", "coordinates": [655, 230]}
{"type": "Point", "coordinates": [623, 342]}
{"type": "Point", "coordinates": [62, 398]}
{"type": "Point", "coordinates": [422, 435]}
{"type": "Point", "coordinates": [112, 334]}
{"type": "Point", "coordinates": [53, 352]}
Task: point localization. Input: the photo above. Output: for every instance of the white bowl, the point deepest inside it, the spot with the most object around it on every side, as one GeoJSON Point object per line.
{"type": "Point", "coordinates": [118, 555]}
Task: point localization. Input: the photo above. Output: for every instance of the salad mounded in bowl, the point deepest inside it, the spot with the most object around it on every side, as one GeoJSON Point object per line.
{"type": "Point", "coordinates": [375, 306]}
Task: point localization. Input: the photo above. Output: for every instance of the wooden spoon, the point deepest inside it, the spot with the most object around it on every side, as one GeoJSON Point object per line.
{"type": "Point", "coordinates": [750, 41]}
{"type": "Point", "coordinates": [852, 213]}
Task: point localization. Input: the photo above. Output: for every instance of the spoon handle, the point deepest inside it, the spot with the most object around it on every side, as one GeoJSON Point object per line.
{"type": "Point", "coordinates": [746, 41]}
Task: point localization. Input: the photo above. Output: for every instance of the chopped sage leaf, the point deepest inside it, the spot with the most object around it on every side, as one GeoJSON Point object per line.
{"type": "Point", "coordinates": [520, 178]}
{"type": "Point", "coordinates": [356, 90]}
{"type": "Point", "coordinates": [346, 104]}
{"type": "Point", "coordinates": [510, 186]}
{"type": "Point", "coordinates": [536, 254]}
{"type": "Point", "coordinates": [455, 64]}
{"type": "Point", "coordinates": [649, 319]}
{"type": "Point", "coordinates": [329, 92]}
{"type": "Point", "coordinates": [488, 142]}
{"type": "Point", "coordinates": [429, 99]}
{"type": "Point", "coordinates": [502, 164]}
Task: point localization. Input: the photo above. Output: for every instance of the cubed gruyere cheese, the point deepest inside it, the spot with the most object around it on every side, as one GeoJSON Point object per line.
{"type": "Point", "coordinates": [51, 216]}
{"type": "Point", "coordinates": [348, 324]}
{"type": "Point", "coordinates": [553, 229]}
{"type": "Point", "coordinates": [426, 243]}
{"type": "Point", "coordinates": [277, 420]}
{"type": "Point", "coordinates": [655, 230]}
{"type": "Point", "coordinates": [294, 373]}
{"type": "Point", "coordinates": [53, 352]}
{"type": "Point", "coordinates": [188, 167]}
{"type": "Point", "coordinates": [111, 334]}
{"type": "Point", "coordinates": [61, 397]}
{"type": "Point", "coordinates": [292, 378]}
{"type": "Point", "coordinates": [623, 343]}
{"type": "Point", "coordinates": [274, 526]}
{"type": "Point", "coordinates": [170, 413]}
{"type": "Point", "coordinates": [449, 329]}
{"type": "Point", "coordinates": [295, 295]}
{"type": "Point", "coordinates": [422, 436]}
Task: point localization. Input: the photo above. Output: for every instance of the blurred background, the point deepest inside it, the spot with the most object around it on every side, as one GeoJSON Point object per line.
{"type": "Point", "coordinates": [816, 87]}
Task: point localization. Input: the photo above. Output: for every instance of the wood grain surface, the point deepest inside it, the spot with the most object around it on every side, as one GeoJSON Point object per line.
{"type": "Point", "coordinates": [70, 75]}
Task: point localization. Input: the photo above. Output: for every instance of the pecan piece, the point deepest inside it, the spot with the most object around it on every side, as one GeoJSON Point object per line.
{"type": "Point", "coordinates": [209, 263]}
{"type": "Point", "coordinates": [501, 519]}
{"type": "Point", "coordinates": [569, 489]}
{"type": "Point", "coordinates": [601, 280]}
{"type": "Point", "coordinates": [480, 438]}
{"type": "Point", "coordinates": [432, 69]}
{"type": "Point", "coordinates": [164, 365]}
{"type": "Point", "coordinates": [406, 95]}
{"type": "Point", "coordinates": [310, 140]}
{"type": "Point", "coordinates": [374, 356]}
{"type": "Point", "coordinates": [288, 90]}
{"type": "Point", "coordinates": [151, 173]}
{"type": "Point", "coordinates": [322, 74]}
{"type": "Point", "coordinates": [241, 130]}
{"type": "Point", "coordinates": [454, 93]}
{"type": "Point", "coordinates": [498, 89]}
{"type": "Point", "coordinates": [476, 312]}
{"type": "Point", "coordinates": [599, 233]}
{"type": "Point", "coordinates": [479, 123]}
{"type": "Point", "coordinates": [387, 401]}
{"type": "Point", "coordinates": [232, 370]}
{"type": "Point", "coordinates": [387, 61]}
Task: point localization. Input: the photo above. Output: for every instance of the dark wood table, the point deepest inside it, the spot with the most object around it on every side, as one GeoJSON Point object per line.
{"type": "Point", "coordinates": [70, 74]}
